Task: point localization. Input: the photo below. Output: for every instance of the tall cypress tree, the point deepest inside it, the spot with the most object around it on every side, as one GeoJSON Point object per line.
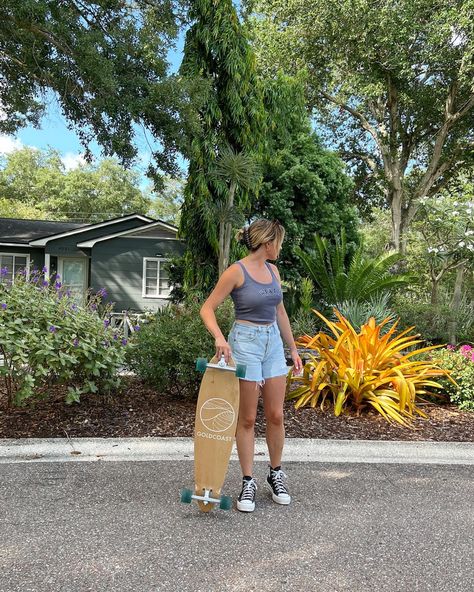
{"type": "Point", "coordinates": [231, 116]}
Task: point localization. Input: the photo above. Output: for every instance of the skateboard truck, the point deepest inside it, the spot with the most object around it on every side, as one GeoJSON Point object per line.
{"type": "Point", "coordinates": [202, 364]}
{"type": "Point", "coordinates": [225, 502]}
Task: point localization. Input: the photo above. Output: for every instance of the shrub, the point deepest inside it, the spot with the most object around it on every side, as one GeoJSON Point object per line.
{"type": "Point", "coordinates": [165, 350]}
{"type": "Point", "coordinates": [299, 300]}
{"type": "Point", "coordinates": [304, 323]}
{"type": "Point", "coordinates": [341, 275]}
{"type": "Point", "coordinates": [357, 312]}
{"type": "Point", "coordinates": [433, 321]}
{"type": "Point", "coordinates": [365, 369]}
{"type": "Point", "coordinates": [46, 338]}
{"type": "Point", "coordinates": [460, 363]}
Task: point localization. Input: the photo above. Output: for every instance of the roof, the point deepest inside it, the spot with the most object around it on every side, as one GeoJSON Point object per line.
{"type": "Point", "coordinates": [41, 242]}
{"type": "Point", "coordinates": [21, 232]}
{"type": "Point", "coordinates": [158, 223]}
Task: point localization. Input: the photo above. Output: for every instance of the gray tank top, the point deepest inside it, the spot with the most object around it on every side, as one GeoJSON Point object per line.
{"type": "Point", "coordinates": [256, 301]}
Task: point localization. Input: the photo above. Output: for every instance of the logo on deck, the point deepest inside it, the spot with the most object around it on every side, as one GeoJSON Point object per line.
{"type": "Point", "coordinates": [217, 415]}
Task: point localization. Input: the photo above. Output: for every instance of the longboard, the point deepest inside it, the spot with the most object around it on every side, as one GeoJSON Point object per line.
{"type": "Point", "coordinates": [214, 432]}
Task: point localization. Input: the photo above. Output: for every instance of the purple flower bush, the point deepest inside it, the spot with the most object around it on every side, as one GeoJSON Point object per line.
{"type": "Point", "coordinates": [47, 337]}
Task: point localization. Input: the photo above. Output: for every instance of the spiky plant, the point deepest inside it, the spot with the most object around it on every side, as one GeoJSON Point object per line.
{"type": "Point", "coordinates": [343, 276]}
{"type": "Point", "coordinates": [377, 306]}
{"type": "Point", "coordinates": [358, 370]}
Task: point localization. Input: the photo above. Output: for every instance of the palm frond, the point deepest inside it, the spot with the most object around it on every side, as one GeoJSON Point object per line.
{"type": "Point", "coordinates": [356, 279]}
{"type": "Point", "coordinates": [240, 168]}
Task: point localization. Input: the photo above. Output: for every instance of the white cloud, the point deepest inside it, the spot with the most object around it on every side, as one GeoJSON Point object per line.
{"type": "Point", "coordinates": [73, 161]}
{"type": "Point", "coordinates": [9, 144]}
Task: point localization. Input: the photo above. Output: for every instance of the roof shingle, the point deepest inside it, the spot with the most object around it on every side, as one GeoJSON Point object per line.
{"type": "Point", "coordinates": [13, 230]}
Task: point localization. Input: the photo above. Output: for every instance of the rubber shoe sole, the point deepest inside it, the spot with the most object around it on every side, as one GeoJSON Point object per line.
{"type": "Point", "coordinates": [245, 506]}
{"type": "Point", "coordinates": [285, 501]}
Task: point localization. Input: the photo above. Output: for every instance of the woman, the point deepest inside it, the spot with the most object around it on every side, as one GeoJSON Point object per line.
{"type": "Point", "coordinates": [255, 340]}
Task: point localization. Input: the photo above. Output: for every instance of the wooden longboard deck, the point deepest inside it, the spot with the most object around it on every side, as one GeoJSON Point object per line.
{"type": "Point", "coordinates": [214, 431]}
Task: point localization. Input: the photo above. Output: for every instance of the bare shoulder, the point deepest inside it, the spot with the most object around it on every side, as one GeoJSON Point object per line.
{"type": "Point", "coordinates": [231, 278]}
{"type": "Point", "coordinates": [274, 268]}
{"type": "Point", "coordinates": [228, 280]}
{"type": "Point", "coordinates": [234, 272]}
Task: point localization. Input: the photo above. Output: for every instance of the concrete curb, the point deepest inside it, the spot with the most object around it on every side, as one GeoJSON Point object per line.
{"type": "Point", "coordinates": [296, 450]}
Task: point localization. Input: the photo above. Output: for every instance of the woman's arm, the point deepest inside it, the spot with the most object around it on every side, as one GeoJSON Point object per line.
{"type": "Point", "coordinates": [285, 330]}
{"type": "Point", "coordinates": [227, 282]}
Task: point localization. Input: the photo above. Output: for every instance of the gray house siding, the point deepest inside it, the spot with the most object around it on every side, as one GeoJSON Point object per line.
{"type": "Point", "coordinates": [36, 255]}
{"type": "Point", "coordinates": [117, 266]}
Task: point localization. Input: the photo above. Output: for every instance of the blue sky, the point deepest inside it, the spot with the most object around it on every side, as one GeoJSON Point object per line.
{"type": "Point", "coordinates": [54, 132]}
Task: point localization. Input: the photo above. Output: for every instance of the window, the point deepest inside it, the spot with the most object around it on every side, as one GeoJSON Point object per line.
{"type": "Point", "coordinates": [155, 278]}
{"type": "Point", "coordinates": [12, 263]}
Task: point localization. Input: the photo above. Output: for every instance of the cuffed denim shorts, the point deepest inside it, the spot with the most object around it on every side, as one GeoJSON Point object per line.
{"type": "Point", "coordinates": [260, 348]}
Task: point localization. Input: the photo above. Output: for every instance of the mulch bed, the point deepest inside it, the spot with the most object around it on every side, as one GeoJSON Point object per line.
{"type": "Point", "coordinates": [141, 411]}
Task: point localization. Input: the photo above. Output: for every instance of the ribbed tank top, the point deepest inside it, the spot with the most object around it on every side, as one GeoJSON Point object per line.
{"type": "Point", "coordinates": [256, 301]}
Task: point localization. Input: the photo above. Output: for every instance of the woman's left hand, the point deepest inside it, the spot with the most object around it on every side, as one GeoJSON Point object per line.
{"type": "Point", "coordinates": [297, 363]}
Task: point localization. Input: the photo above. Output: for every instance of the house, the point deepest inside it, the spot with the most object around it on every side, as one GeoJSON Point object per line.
{"type": "Point", "coordinates": [124, 255]}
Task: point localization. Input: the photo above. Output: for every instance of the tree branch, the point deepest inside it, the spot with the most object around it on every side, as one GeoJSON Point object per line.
{"type": "Point", "coordinates": [363, 120]}
{"type": "Point", "coordinates": [371, 163]}
{"type": "Point", "coordinates": [434, 171]}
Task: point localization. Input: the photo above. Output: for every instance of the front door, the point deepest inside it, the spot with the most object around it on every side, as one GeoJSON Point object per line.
{"type": "Point", "coordinates": [73, 272]}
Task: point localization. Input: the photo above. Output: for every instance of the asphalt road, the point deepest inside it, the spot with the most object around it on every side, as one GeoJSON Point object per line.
{"type": "Point", "coordinates": [119, 526]}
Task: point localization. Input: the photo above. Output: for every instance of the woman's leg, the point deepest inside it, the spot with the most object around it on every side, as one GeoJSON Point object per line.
{"type": "Point", "coordinates": [273, 397]}
{"type": "Point", "coordinates": [245, 434]}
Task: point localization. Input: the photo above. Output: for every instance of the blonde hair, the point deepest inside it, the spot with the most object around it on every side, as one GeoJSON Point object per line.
{"type": "Point", "coordinates": [261, 231]}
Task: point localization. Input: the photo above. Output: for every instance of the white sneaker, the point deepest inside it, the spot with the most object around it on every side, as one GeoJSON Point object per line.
{"type": "Point", "coordinates": [246, 499]}
{"type": "Point", "coordinates": [280, 493]}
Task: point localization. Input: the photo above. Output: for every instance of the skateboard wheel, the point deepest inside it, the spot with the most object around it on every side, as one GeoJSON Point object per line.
{"type": "Point", "coordinates": [241, 370]}
{"type": "Point", "coordinates": [186, 496]}
{"type": "Point", "coordinates": [225, 503]}
{"type": "Point", "coordinates": [201, 364]}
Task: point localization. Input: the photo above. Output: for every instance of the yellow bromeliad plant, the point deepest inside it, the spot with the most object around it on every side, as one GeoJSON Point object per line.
{"type": "Point", "coordinates": [366, 368]}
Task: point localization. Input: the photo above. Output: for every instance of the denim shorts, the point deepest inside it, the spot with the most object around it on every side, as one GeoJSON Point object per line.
{"type": "Point", "coordinates": [260, 348]}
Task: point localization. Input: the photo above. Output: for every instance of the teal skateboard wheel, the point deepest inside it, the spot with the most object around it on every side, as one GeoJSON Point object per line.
{"type": "Point", "coordinates": [225, 503]}
{"type": "Point", "coordinates": [240, 370]}
{"type": "Point", "coordinates": [201, 364]}
{"type": "Point", "coordinates": [186, 496]}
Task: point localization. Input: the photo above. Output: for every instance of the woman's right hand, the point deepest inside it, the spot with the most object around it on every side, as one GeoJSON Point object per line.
{"type": "Point", "coordinates": [223, 349]}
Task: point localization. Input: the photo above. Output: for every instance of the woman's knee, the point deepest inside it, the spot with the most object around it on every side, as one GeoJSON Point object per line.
{"type": "Point", "coordinates": [248, 405]}
{"type": "Point", "coordinates": [247, 421]}
{"type": "Point", "coordinates": [274, 417]}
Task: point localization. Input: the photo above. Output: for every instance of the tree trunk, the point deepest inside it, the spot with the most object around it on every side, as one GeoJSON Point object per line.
{"type": "Point", "coordinates": [395, 201]}
{"type": "Point", "coordinates": [222, 225]}
{"type": "Point", "coordinates": [434, 291]}
{"type": "Point", "coordinates": [455, 304]}
{"type": "Point", "coordinates": [225, 230]}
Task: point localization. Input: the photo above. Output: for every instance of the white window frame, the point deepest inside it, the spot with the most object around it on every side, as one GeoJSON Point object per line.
{"type": "Point", "coordinates": [85, 276]}
{"type": "Point", "coordinates": [144, 294]}
{"type": "Point", "coordinates": [28, 260]}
